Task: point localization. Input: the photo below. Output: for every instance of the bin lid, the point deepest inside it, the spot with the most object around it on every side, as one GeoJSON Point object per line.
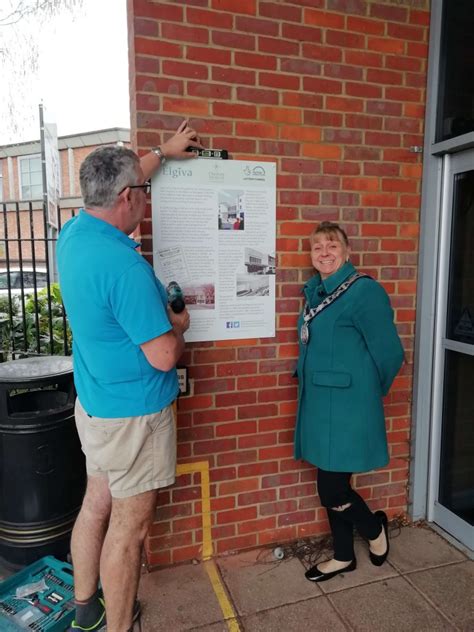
{"type": "Point", "coordinates": [30, 369]}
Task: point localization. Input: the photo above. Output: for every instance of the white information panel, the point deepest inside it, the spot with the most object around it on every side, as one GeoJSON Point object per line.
{"type": "Point", "coordinates": [52, 171]}
{"type": "Point", "coordinates": [214, 229]}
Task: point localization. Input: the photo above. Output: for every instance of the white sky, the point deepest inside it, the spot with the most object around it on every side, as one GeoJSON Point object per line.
{"type": "Point", "coordinates": [82, 73]}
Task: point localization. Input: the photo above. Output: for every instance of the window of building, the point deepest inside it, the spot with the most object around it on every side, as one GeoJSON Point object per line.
{"type": "Point", "coordinates": [455, 114]}
{"type": "Point", "coordinates": [31, 177]}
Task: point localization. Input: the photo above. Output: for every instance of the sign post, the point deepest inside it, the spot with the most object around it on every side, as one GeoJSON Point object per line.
{"type": "Point", "coordinates": [51, 185]}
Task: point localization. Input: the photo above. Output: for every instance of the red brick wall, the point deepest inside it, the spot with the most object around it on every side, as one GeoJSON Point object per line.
{"type": "Point", "coordinates": [333, 91]}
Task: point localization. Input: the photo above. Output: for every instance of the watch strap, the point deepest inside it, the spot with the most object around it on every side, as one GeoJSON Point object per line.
{"type": "Point", "coordinates": [158, 151]}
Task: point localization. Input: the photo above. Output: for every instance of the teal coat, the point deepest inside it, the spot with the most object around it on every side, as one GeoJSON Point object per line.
{"type": "Point", "coordinates": [348, 365]}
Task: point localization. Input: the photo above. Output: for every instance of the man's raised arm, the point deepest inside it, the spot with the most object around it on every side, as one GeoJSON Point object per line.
{"type": "Point", "coordinates": [174, 148]}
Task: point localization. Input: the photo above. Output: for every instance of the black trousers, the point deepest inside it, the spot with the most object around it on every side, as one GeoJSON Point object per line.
{"type": "Point", "coordinates": [334, 489]}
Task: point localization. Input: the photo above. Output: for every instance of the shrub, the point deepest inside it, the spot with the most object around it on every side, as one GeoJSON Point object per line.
{"type": "Point", "coordinates": [22, 336]}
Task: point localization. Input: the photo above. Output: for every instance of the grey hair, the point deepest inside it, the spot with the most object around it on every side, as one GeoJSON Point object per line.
{"type": "Point", "coordinates": [105, 173]}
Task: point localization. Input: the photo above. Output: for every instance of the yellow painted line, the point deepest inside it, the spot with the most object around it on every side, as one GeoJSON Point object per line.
{"type": "Point", "coordinates": [222, 598]}
{"type": "Point", "coordinates": [203, 468]}
{"type": "Point", "coordinates": [207, 549]}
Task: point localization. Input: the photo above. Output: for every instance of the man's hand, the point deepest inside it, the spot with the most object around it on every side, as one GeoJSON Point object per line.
{"type": "Point", "coordinates": [180, 321]}
{"type": "Point", "coordinates": [176, 146]}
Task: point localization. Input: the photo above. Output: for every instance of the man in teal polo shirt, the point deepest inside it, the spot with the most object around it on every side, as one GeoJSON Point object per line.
{"type": "Point", "coordinates": [126, 343]}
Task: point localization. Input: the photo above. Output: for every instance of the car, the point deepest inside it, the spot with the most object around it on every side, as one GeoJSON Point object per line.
{"type": "Point", "coordinates": [31, 278]}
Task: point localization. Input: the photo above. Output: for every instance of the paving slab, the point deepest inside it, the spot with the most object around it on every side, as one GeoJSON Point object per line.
{"type": "Point", "coordinates": [177, 599]}
{"type": "Point", "coordinates": [306, 616]}
{"type": "Point", "coordinates": [386, 606]}
{"type": "Point", "coordinates": [451, 588]}
{"type": "Point", "coordinates": [365, 572]}
{"type": "Point", "coordinates": [213, 627]}
{"type": "Point", "coordinates": [256, 582]}
{"type": "Point", "coordinates": [417, 548]}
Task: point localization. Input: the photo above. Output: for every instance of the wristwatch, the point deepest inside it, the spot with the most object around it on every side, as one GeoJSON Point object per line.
{"type": "Point", "coordinates": [158, 151]}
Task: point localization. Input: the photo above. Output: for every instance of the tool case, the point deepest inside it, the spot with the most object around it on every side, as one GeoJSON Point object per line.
{"type": "Point", "coordinates": [48, 610]}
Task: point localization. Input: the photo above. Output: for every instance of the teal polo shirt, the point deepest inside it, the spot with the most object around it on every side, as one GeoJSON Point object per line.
{"type": "Point", "coordinates": [114, 303]}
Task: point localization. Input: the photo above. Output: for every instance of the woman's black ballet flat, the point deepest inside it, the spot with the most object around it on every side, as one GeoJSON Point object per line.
{"type": "Point", "coordinates": [378, 560]}
{"type": "Point", "coordinates": [315, 575]}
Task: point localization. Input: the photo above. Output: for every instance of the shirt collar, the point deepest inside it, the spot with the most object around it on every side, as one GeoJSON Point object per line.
{"type": "Point", "coordinates": [90, 222]}
{"type": "Point", "coordinates": [331, 282]}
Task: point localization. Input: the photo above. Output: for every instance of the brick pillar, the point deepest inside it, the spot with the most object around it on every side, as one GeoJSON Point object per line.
{"type": "Point", "coordinates": [334, 92]}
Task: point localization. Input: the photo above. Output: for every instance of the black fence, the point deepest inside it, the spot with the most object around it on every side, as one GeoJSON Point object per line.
{"type": "Point", "coordinates": [32, 316]}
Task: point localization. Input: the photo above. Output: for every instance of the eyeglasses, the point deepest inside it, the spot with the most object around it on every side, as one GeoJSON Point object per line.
{"type": "Point", "coordinates": [146, 186]}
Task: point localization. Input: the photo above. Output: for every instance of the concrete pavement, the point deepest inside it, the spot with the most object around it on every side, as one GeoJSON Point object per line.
{"type": "Point", "coordinates": [426, 584]}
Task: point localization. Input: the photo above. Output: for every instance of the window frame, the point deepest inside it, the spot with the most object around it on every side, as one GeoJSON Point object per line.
{"type": "Point", "coordinates": [439, 136]}
{"type": "Point", "coordinates": [20, 159]}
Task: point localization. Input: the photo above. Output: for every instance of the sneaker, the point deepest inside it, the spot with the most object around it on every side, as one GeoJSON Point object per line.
{"type": "Point", "coordinates": [101, 625]}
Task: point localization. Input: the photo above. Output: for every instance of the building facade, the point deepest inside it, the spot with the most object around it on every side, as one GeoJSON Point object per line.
{"type": "Point", "coordinates": [21, 191]}
{"type": "Point", "coordinates": [20, 165]}
{"type": "Point", "coordinates": [365, 107]}
{"type": "Point", "coordinates": [333, 91]}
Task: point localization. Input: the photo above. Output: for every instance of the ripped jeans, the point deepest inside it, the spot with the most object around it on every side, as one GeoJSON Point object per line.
{"type": "Point", "coordinates": [346, 510]}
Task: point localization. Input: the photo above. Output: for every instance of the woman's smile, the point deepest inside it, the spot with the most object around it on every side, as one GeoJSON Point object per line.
{"type": "Point", "coordinates": [328, 255]}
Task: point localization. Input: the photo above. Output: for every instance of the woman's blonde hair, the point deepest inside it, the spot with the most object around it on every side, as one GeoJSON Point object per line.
{"type": "Point", "coordinates": [332, 231]}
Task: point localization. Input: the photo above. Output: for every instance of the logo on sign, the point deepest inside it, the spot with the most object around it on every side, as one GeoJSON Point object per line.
{"type": "Point", "coordinates": [254, 173]}
{"type": "Point", "coordinates": [232, 324]}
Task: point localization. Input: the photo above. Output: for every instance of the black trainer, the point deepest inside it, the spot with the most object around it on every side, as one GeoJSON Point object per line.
{"type": "Point", "coordinates": [101, 625]}
{"type": "Point", "coordinates": [95, 627]}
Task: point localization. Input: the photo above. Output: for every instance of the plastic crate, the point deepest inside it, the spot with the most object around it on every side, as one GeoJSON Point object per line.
{"type": "Point", "coordinates": [51, 610]}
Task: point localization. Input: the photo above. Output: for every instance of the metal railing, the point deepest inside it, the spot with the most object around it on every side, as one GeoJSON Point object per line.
{"type": "Point", "coordinates": [32, 316]}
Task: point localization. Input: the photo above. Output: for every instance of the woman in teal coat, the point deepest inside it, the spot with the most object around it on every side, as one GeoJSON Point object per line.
{"type": "Point", "coordinates": [349, 355]}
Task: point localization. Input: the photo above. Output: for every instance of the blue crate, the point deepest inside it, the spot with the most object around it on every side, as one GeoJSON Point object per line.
{"type": "Point", "coordinates": [19, 615]}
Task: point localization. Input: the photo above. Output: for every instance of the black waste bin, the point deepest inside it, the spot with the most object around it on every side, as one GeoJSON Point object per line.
{"type": "Point", "coordinates": [42, 467]}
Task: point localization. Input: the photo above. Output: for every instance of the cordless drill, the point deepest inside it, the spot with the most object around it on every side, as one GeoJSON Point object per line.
{"type": "Point", "coordinates": [175, 297]}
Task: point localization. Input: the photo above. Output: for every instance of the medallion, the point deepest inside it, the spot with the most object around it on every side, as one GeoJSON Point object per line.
{"type": "Point", "coordinates": [304, 333]}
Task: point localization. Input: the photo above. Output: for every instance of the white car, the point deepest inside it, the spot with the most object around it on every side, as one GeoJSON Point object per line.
{"type": "Point", "coordinates": [29, 276]}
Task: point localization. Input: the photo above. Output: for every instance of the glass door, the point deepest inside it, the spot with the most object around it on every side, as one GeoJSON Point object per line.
{"type": "Point", "coordinates": [451, 491]}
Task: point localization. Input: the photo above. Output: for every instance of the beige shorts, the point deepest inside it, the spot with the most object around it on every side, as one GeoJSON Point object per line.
{"type": "Point", "coordinates": [136, 454]}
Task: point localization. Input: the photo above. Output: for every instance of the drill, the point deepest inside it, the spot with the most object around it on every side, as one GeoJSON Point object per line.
{"type": "Point", "coordinates": [175, 297]}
